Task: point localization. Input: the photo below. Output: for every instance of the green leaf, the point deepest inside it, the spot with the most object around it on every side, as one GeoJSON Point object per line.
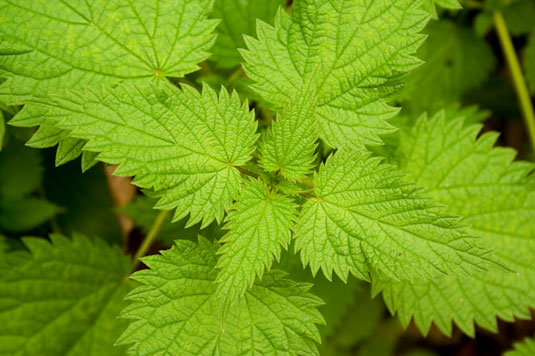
{"type": "Point", "coordinates": [176, 311]}
{"type": "Point", "coordinates": [518, 16]}
{"type": "Point", "coordinates": [182, 144]}
{"type": "Point", "coordinates": [456, 61]}
{"type": "Point", "coordinates": [48, 46]}
{"type": "Point", "coordinates": [367, 218]}
{"type": "Point", "coordinates": [62, 298]}
{"type": "Point", "coordinates": [529, 63]}
{"type": "Point", "coordinates": [259, 224]}
{"type": "Point", "coordinates": [430, 6]}
{"type": "Point", "coordinates": [21, 170]}
{"type": "Point", "coordinates": [238, 18]}
{"type": "Point", "coordinates": [21, 173]}
{"type": "Point", "coordinates": [497, 201]}
{"type": "Point", "coordinates": [22, 214]}
{"type": "Point", "coordinates": [289, 146]}
{"type": "Point", "coordinates": [524, 348]}
{"type": "Point", "coordinates": [354, 52]}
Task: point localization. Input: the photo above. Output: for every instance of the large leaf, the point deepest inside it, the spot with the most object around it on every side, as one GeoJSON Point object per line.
{"type": "Point", "coordinates": [497, 199]}
{"type": "Point", "coordinates": [353, 51]}
{"type": "Point", "coordinates": [176, 310]}
{"type": "Point", "coordinates": [62, 298]}
{"type": "Point", "coordinates": [366, 218]}
{"type": "Point", "coordinates": [46, 46]}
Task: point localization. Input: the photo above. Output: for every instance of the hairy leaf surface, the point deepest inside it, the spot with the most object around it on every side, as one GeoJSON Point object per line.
{"type": "Point", "coordinates": [259, 225]}
{"type": "Point", "coordinates": [288, 148]}
{"type": "Point", "coordinates": [176, 310]}
{"type": "Point", "coordinates": [47, 46]}
{"type": "Point", "coordinates": [367, 218]}
{"type": "Point", "coordinates": [183, 144]}
{"type": "Point", "coordinates": [353, 51]}
{"type": "Point", "coordinates": [497, 199]}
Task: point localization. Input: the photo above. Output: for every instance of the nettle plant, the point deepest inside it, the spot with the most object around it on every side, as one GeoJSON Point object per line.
{"type": "Point", "coordinates": [439, 220]}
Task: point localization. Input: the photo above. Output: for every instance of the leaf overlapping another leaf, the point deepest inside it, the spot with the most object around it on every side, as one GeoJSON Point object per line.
{"type": "Point", "coordinates": [79, 43]}
{"type": "Point", "coordinates": [367, 218]}
{"type": "Point", "coordinates": [260, 224]}
{"type": "Point", "coordinates": [355, 50]}
{"type": "Point", "coordinates": [62, 298]}
{"type": "Point", "coordinates": [183, 144]}
{"type": "Point", "coordinates": [176, 310]}
{"type": "Point", "coordinates": [496, 198]}
{"type": "Point", "coordinates": [288, 148]}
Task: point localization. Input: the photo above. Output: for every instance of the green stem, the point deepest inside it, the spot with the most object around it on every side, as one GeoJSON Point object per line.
{"type": "Point", "coordinates": [147, 242]}
{"type": "Point", "coordinates": [518, 79]}
{"type": "Point", "coordinates": [235, 75]}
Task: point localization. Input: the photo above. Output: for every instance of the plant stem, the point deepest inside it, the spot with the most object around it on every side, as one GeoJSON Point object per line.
{"type": "Point", "coordinates": [518, 79]}
{"type": "Point", "coordinates": [246, 172]}
{"type": "Point", "coordinates": [235, 75]}
{"type": "Point", "coordinates": [147, 242]}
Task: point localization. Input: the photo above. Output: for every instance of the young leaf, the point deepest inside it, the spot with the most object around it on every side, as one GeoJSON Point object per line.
{"type": "Point", "coordinates": [176, 311]}
{"type": "Point", "coordinates": [48, 46]}
{"type": "Point", "coordinates": [260, 223]}
{"type": "Point", "coordinates": [183, 144]}
{"type": "Point", "coordinates": [524, 348]}
{"type": "Point", "coordinates": [290, 144]}
{"type": "Point", "coordinates": [497, 199]}
{"type": "Point", "coordinates": [62, 298]}
{"type": "Point", "coordinates": [355, 51]}
{"type": "Point", "coordinates": [456, 61]}
{"type": "Point", "coordinates": [367, 218]}
{"type": "Point", "coordinates": [238, 18]}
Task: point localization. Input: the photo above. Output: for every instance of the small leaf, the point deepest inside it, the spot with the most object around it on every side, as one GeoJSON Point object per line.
{"type": "Point", "coordinates": [260, 223]}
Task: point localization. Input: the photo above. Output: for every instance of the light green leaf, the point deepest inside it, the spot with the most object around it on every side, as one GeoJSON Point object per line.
{"type": "Point", "coordinates": [182, 144]}
{"type": "Point", "coordinates": [353, 51]}
{"type": "Point", "coordinates": [259, 224]}
{"type": "Point", "coordinates": [456, 61]}
{"type": "Point", "coordinates": [367, 218]}
{"type": "Point", "coordinates": [289, 146]}
{"type": "Point", "coordinates": [430, 6]}
{"type": "Point", "coordinates": [497, 199]}
{"type": "Point", "coordinates": [176, 311]}
{"type": "Point", "coordinates": [238, 18]}
{"type": "Point", "coordinates": [524, 348]}
{"type": "Point", "coordinates": [62, 298]}
{"type": "Point", "coordinates": [48, 46]}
